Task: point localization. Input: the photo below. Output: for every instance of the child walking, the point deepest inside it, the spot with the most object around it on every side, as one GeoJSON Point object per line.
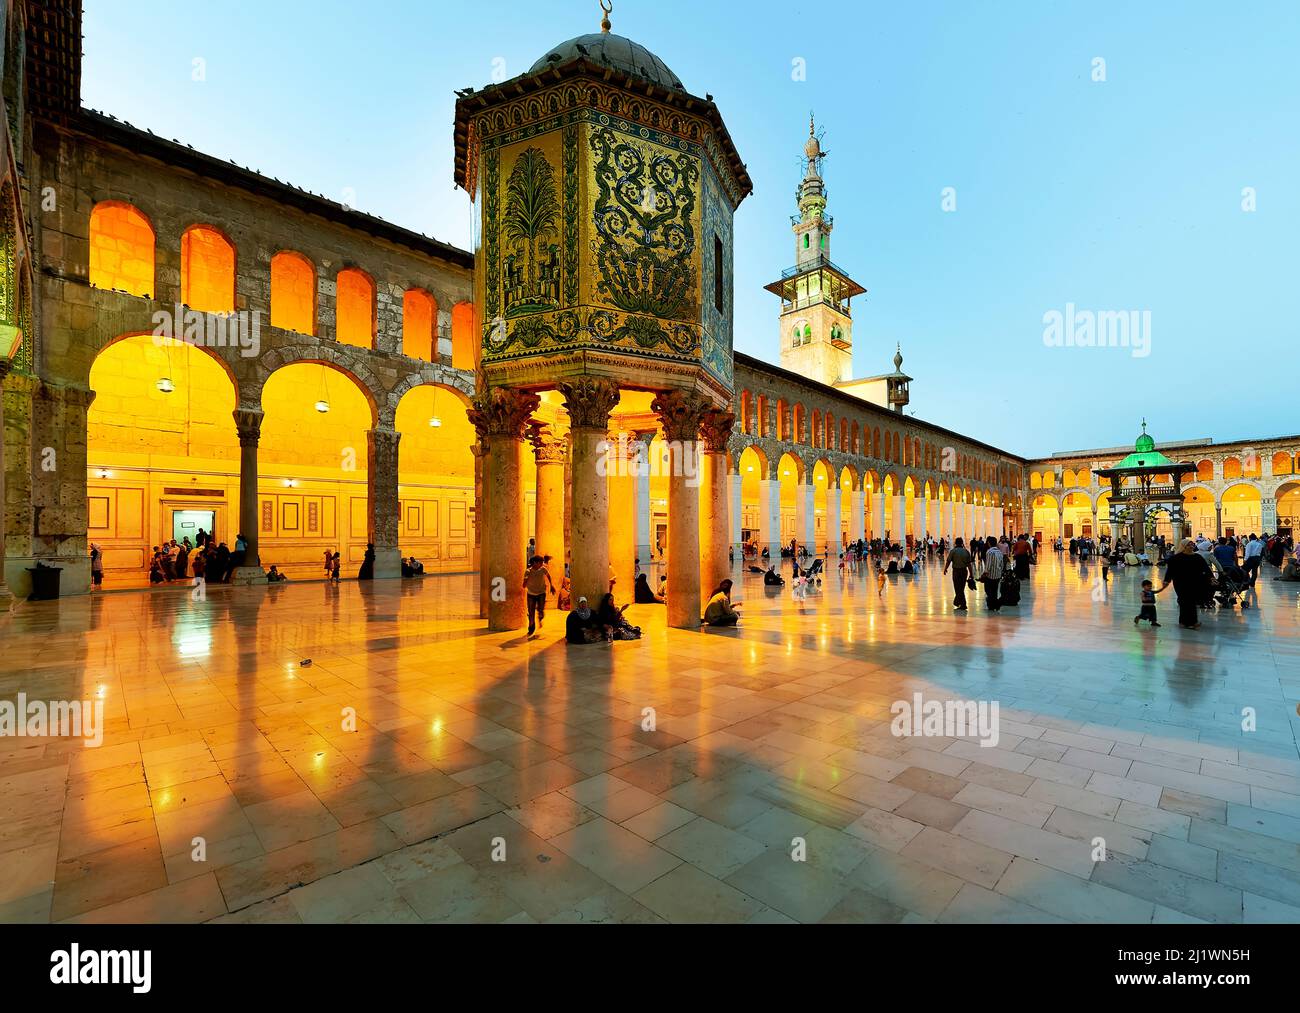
{"type": "Point", "coordinates": [1148, 610]}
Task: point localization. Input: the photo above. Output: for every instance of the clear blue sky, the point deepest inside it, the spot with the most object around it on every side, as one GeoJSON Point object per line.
{"type": "Point", "coordinates": [1119, 195]}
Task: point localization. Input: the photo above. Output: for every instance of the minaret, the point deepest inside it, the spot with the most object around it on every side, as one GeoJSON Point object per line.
{"type": "Point", "coordinates": [816, 325]}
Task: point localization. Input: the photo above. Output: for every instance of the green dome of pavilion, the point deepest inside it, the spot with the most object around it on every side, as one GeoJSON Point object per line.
{"type": "Point", "coordinates": [1144, 453]}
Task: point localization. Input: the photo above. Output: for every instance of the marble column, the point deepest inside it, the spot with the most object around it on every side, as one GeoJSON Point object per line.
{"type": "Point", "coordinates": [878, 515]}
{"type": "Point", "coordinates": [918, 522]}
{"type": "Point", "coordinates": [589, 400]}
{"type": "Point", "coordinates": [715, 530]}
{"type": "Point", "coordinates": [551, 452]}
{"type": "Point", "coordinates": [988, 521]}
{"type": "Point", "coordinates": [769, 533]}
{"type": "Point", "coordinates": [621, 468]}
{"type": "Point", "coordinates": [736, 515]}
{"type": "Point", "coordinates": [898, 519]}
{"type": "Point", "coordinates": [970, 522]}
{"type": "Point", "coordinates": [1218, 520]}
{"type": "Point", "coordinates": [680, 414]}
{"type": "Point", "coordinates": [644, 536]}
{"type": "Point", "coordinates": [248, 424]}
{"type": "Point", "coordinates": [501, 413]}
{"type": "Point", "coordinates": [999, 524]}
{"type": "Point", "coordinates": [381, 482]}
{"type": "Point", "coordinates": [479, 449]}
{"type": "Point", "coordinates": [856, 509]}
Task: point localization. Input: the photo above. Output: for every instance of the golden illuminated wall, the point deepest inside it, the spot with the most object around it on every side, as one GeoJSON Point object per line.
{"type": "Point", "coordinates": [419, 323]}
{"type": "Point", "coordinates": [207, 270]}
{"type": "Point", "coordinates": [355, 309]}
{"type": "Point", "coordinates": [121, 249]}
{"type": "Point", "coordinates": [293, 293]}
{"type": "Point", "coordinates": [173, 451]}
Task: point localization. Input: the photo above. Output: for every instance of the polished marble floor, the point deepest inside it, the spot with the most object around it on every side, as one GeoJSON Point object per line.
{"type": "Point", "coordinates": [495, 778]}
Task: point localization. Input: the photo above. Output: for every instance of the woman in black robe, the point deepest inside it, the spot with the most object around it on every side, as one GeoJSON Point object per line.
{"type": "Point", "coordinates": [1190, 575]}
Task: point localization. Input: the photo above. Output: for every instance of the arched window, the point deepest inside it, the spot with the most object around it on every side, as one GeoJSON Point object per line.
{"type": "Point", "coordinates": [354, 309]}
{"type": "Point", "coordinates": [207, 270]}
{"type": "Point", "coordinates": [1205, 471]}
{"type": "Point", "coordinates": [121, 249]}
{"type": "Point", "coordinates": [419, 317]}
{"type": "Point", "coordinates": [805, 240]}
{"type": "Point", "coordinates": [293, 293]}
{"type": "Point", "coordinates": [463, 344]}
{"type": "Point", "coordinates": [1232, 468]}
{"type": "Point", "coordinates": [807, 333]}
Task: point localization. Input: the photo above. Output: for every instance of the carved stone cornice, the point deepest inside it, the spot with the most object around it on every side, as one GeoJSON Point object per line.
{"type": "Point", "coordinates": [589, 400]}
{"type": "Point", "coordinates": [715, 430]}
{"type": "Point", "coordinates": [680, 413]}
{"type": "Point", "coordinates": [248, 424]}
{"type": "Point", "coordinates": [502, 412]}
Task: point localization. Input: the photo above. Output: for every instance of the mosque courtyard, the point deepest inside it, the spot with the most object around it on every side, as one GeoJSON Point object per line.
{"type": "Point", "coordinates": [327, 753]}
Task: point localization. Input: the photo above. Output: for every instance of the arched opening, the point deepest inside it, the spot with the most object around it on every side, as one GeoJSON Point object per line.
{"type": "Point", "coordinates": [908, 526]}
{"type": "Point", "coordinates": [354, 308]}
{"type": "Point", "coordinates": [1283, 464]}
{"type": "Point", "coordinates": [850, 527]}
{"type": "Point", "coordinates": [464, 345]}
{"type": "Point", "coordinates": [1231, 468]}
{"type": "Point", "coordinates": [790, 475]}
{"type": "Point", "coordinates": [752, 467]}
{"type": "Point", "coordinates": [121, 249]}
{"type": "Point", "coordinates": [1205, 471]}
{"type": "Point", "coordinates": [419, 318]}
{"type": "Point", "coordinates": [892, 522]}
{"type": "Point", "coordinates": [293, 293]}
{"type": "Point", "coordinates": [436, 480]}
{"type": "Point", "coordinates": [1047, 518]}
{"type": "Point", "coordinates": [162, 457]}
{"type": "Point", "coordinates": [312, 465]}
{"type": "Point", "coordinates": [1198, 511]}
{"type": "Point", "coordinates": [1241, 510]}
{"type": "Point", "coordinates": [207, 270]}
{"type": "Point", "coordinates": [1077, 518]}
{"type": "Point", "coordinates": [824, 488]}
{"type": "Point", "coordinates": [1288, 509]}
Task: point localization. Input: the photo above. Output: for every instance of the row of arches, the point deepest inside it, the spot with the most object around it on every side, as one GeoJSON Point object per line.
{"type": "Point", "coordinates": [1234, 467]}
{"type": "Point", "coordinates": [794, 423]}
{"type": "Point", "coordinates": [122, 258]}
{"type": "Point", "coordinates": [163, 462]}
{"type": "Point", "coordinates": [1239, 509]}
{"type": "Point", "coordinates": [819, 501]}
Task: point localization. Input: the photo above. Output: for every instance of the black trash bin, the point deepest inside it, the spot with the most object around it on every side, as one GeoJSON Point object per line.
{"type": "Point", "coordinates": [45, 582]}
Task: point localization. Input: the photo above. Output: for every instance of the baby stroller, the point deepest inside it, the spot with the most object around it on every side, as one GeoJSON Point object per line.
{"type": "Point", "coordinates": [1232, 587]}
{"type": "Point", "coordinates": [1009, 590]}
{"type": "Point", "coordinates": [814, 572]}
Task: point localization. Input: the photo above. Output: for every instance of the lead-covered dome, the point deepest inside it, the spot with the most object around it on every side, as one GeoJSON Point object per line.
{"type": "Point", "coordinates": [612, 51]}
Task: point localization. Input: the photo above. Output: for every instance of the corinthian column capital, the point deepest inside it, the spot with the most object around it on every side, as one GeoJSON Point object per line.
{"type": "Point", "coordinates": [680, 413]}
{"type": "Point", "coordinates": [589, 400]}
{"type": "Point", "coordinates": [502, 411]}
{"type": "Point", "coordinates": [715, 430]}
{"type": "Point", "coordinates": [248, 424]}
